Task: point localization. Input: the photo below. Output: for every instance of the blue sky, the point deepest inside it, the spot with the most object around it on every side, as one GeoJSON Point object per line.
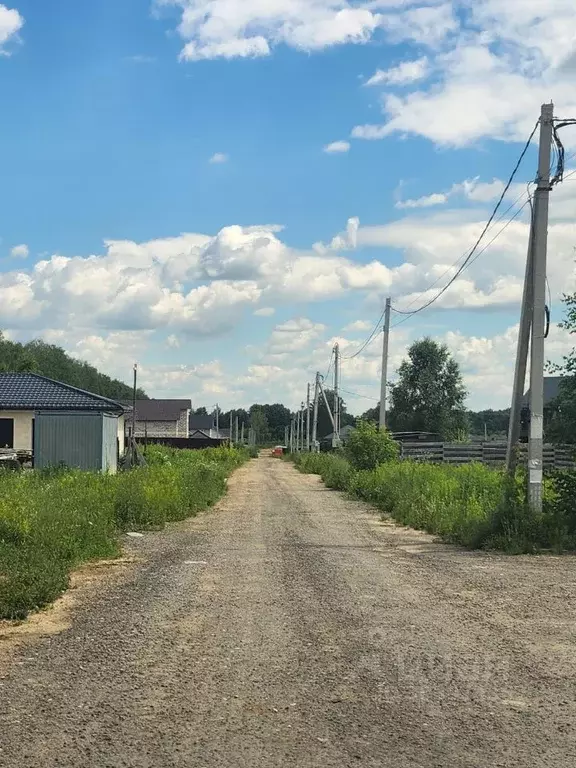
{"type": "Point", "coordinates": [192, 183]}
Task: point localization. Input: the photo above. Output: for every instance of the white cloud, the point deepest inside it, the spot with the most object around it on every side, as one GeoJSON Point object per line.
{"type": "Point", "coordinates": [519, 54]}
{"type": "Point", "coordinates": [359, 325]}
{"type": "Point", "coordinates": [436, 198]}
{"type": "Point", "coordinates": [20, 251]}
{"type": "Point", "coordinates": [472, 189]}
{"type": "Point", "coordinates": [219, 158]}
{"type": "Point", "coordinates": [251, 28]}
{"type": "Point", "coordinates": [173, 341]}
{"type": "Point", "coordinates": [405, 73]}
{"type": "Point", "coordinates": [293, 336]}
{"type": "Point", "coordinates": [11, 22]}
{"type": "Point", "coordinates": [345, 241]}
{"type": "Point", "coordinates": [337, 147]}
{"type": "Point", "coordinates": [265, 312]}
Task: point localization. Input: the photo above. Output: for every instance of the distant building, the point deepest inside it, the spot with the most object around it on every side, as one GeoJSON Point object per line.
{"type": "Point", "coordinates": [59, 423]}
{"type": "Point", "coordinates": [160, 418]}
{"type": "Point", "coordinates": [204, 426]}
{"type": "Point", "coordinates": [345, 433]}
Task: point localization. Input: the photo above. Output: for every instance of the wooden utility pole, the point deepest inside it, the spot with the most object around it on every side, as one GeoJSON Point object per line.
{"type": "Point", "coordinates": [541, 201]}
{"type": "Point", "coordinates": [236, 429]}
{"type": "Point", "coordinates": [242, 434]}
{"type": "Point", "coordinates": [384, 379]}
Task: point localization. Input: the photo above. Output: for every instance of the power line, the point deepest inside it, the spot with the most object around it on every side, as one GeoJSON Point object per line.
{"type": "Point", "coordinates": [368, 340]}
{"type": "Point", "coordinates": [357, 394]}
{"type": "Point", "coordinates": [407, 316]}
{"type": "Point", "coordinates": [479, 240]}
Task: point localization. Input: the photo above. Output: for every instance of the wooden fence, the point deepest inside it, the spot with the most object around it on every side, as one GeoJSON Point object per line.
{"type": "Point", "coordinates": [490, 453]}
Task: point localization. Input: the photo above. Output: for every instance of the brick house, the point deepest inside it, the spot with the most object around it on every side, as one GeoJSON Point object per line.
{"type": "Point", "coordinates": [160, 418]}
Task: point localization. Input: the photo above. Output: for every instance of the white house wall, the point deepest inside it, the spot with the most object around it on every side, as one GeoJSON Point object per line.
{"type": "Point", "coordinates": [163, 428]}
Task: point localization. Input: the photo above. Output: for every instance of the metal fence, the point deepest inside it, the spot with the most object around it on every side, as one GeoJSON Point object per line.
{"type": "Point", "coordinates": [490, 453]}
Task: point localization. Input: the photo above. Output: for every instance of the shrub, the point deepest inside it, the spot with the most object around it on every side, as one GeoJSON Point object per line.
{"type": "Point", "coordinates": [368, 447]}
{"type": "Point", "coordinates": [52, 521]}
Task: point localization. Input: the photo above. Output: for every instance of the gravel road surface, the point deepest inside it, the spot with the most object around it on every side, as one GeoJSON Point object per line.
{"type": "Point", "coordinates": [291, 627]}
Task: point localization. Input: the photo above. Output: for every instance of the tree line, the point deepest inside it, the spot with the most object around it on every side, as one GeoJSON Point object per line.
{"type": "Point", "coordinates": [52, 361]}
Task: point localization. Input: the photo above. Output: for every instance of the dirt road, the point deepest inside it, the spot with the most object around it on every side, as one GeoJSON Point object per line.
{"type": "Point", "coordinates": [290, 627]}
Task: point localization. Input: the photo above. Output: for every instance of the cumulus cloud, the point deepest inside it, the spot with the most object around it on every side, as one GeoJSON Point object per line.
{"type": "Point", "coordinates": [11, 22]}
{"type": "Point", "coordinates": [293, 336]}
{"type": "Point", "coordinates": [219, 158]}
{"type": "Point", "coordinates": [250, 28]}
{"type": "Point", "coordinates": [337, 147]}
{"type": "Point", "coordinates": [20, 251]}
{"type": "Point", "coordinates": [517, 54]}
{"type": "Point", "coordinates": [265, 312]}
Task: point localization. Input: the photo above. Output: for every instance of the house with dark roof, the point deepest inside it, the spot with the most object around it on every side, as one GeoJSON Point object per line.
{"type": "Point", "coordinates": [202, 426]}
{"type": "Point", "coordinates": [28, 399]}
{"type": "Point", "coordinates": [160, 418]}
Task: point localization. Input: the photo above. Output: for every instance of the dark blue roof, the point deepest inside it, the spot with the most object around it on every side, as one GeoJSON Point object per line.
{"type": "Point", "coordinates": [32, 392]}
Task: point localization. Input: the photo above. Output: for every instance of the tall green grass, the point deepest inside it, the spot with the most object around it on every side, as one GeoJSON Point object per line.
{"type": "Point", "coordinates": [50, 522]}
{"type": "Point", "coordinates": [471, 505]}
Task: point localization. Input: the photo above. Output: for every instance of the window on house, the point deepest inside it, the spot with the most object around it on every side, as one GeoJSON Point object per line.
{"type": "Point", "coordinates": [6, 433]}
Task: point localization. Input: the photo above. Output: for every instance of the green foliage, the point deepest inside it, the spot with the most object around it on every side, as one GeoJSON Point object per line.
{"type": "Point", "coordinates": [52, 361]}
{"type": "Point", "coordinates": [494, 423]}
{"type": "Point", "coordinates": [429, 394]}
{"type": "Point", "coordinates": [471, 504]}
{"type": "Point", "coordinates": [52, 521]}
{"type": "Point", "coordinates": [561, 414]}
{"type": "Point", "coordinates": [333, 468]}
{"type": "Point", "coordinates": [324, 424]}
{"type": "Point", "coordinates": [368, 446]}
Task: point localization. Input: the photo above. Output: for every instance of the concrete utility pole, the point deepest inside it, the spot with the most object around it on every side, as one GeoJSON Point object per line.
{"type": "Point", "coordinates": [236, 430]}
{"type": "Point", "coordinates": [286, 436]}
{"type": "Point", "coordinates": [231, 436]}
{"type": "Point", "coordinates": [134, 401]}
{"type": "Point", "coordinates": [384, 380]}
{"type": "Point", "coordinates": [242, 434]}
{"type": "Point", "coordinates": [315, 418]}
{"type": "Point", "coordinates": [337, 393]}
{"type": "Point", "coordinates": [521, 356]}
{"type": "Point", "coordinates": [302, 427]}
{"type": "Point", "coordinates": [308, 417]}
{"type": "Point", "coordinates": [217, 421]}
{"type": "Point", "coordinates": [541, 201]}
{"type": "Point", "coordinates": [326, 403]}
{"type": "Point", "coordinates": [297, 430]}
{"type": "Point", "coordinates": [292, 435]}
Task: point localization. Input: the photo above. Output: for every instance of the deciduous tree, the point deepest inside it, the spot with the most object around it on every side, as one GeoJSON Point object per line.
{"type": "Point", "coordinates": [429, 394]}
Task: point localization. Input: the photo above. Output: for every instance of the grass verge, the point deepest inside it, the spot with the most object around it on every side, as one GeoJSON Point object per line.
{"type": "Point", "coordinates": [472, 505]}
{"type": "Point", "coordinates": [51, 522]}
